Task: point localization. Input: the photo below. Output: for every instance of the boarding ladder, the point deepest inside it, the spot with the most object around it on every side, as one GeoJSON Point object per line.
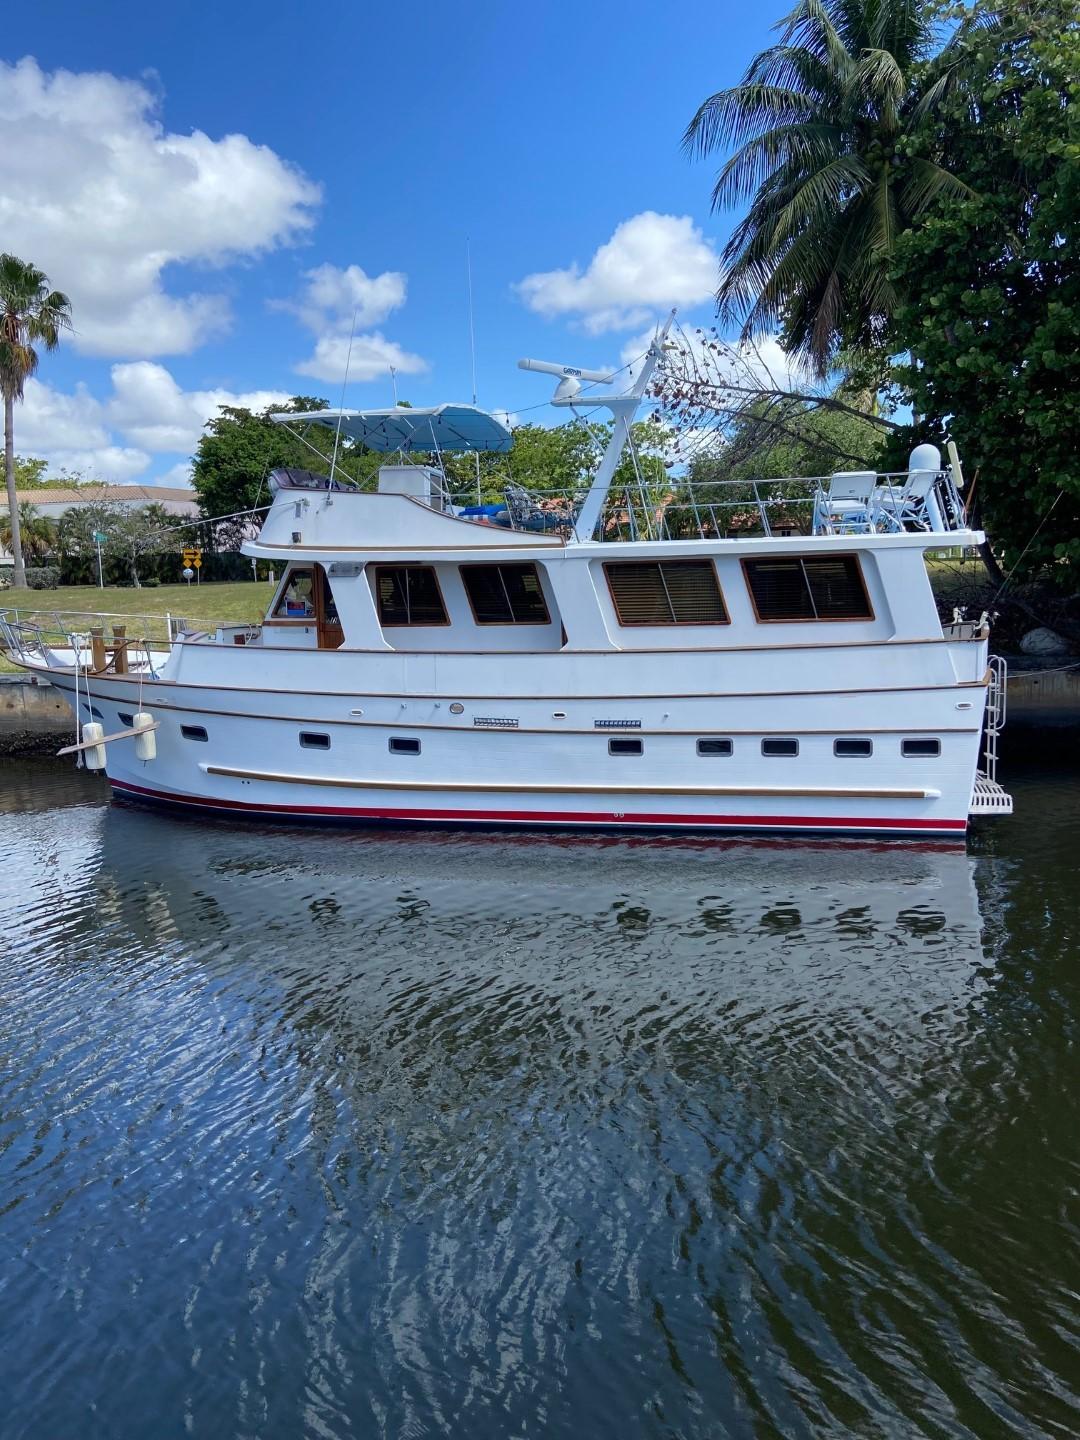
{"type": "Point", "coordinates": [988, 797]}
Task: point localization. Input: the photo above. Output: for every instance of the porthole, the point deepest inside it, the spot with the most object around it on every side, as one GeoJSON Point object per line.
{"type": "Point", "coordinates": [849, 749]}
{"type": "Point", "coordinates": [193, 732]}
{"type": "Point", "coordinates": [93, 711]}
{"type": "Point", "coordinates": [625, 747]}
{"type": "Point", "coordinates": [910, 749]}
{"type": "Point", "coordinates": [128, 721]}
{"type": "Point", "coordinates": [403, 745]}
{"type": "Point", "coordinates": [715, 747]}
{"type": "Point", "coordinates": [312, 740]}
{"type": "Point", "coordinates": [774, 748]}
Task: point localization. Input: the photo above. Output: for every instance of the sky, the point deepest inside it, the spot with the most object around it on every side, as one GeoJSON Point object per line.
{"type": "Point", "coordinates": [221, 189]}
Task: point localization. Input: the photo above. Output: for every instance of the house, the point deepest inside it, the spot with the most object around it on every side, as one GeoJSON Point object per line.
{"type": "Point", "coordinates": [52, 503]}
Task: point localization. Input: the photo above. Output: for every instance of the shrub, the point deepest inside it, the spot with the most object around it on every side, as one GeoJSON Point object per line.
{"type": "Point", "coordinates": [42, 577]}
{"type": "Point", "coordinates": [150, 581]}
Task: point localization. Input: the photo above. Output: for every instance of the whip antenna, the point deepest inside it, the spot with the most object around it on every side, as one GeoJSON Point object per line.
{"type": "Point", "coordinates": [341, 406]}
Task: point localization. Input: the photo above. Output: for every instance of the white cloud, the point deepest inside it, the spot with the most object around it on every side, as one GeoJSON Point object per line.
{"type": "Point", "coordinates": [146, 415]}
{"type": "Point", "coordinates": [150, 409]}
{"type": "Point", "coordinates": [331, 296]}
{"type": "Point", "coordinates": [372, 356]}
{"type": "Point", "coordinates": [104, 199]}
{"type": "Point", "coordinates": [650, 263]}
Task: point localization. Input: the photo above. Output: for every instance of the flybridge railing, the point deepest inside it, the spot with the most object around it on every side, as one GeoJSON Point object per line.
{"type": "Point", "coordinates": [850, 503]}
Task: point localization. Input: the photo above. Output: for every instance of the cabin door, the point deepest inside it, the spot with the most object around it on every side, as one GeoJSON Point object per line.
{"type": "Point", "coordinates": [331, 635]}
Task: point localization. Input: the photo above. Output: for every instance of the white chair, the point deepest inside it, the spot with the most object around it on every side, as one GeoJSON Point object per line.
{"type": "Point", "coordinates": [846, 508]}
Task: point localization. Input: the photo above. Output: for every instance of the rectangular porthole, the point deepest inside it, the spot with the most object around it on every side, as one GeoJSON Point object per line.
{"type": "Point", "coordinates": [505, 594]}
{"type": "Point", "coordinates": [403, 745]}
{"type": "Point", "coordinates": [671, 592]}
{"type": "Point", "coordinates": [312, 740]}
{"type": "Point", "coordinates": [193, 732]}
{"type": "Point", "coordinates": [715, 747]}
{"type": "Point", "coordinates": [625, 747]}
{"type": "Point", "coordinates": [913, 748]}
{"type": "Point", "coordinates": [852, 748]}
{"type": "Point", "coordinates": [779, 747]}
{"type": "Point", "coordinates": [126, 720]}
{"type": "Point", "coordinates": [814, 587]}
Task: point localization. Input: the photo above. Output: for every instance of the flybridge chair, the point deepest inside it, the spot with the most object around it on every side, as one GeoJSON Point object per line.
{"type": "Point", "coordinates": [847, 506]}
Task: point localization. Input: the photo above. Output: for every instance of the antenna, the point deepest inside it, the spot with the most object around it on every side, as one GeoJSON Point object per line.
{"type": "Point", "coordinates": [472, 326]}
{"type": "Point", "coordinates": [393, 382]}
{"type": "Point", "coordinates": [341, 407]}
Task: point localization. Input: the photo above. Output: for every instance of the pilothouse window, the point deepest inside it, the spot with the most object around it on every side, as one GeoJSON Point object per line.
{"type": "Point", "coordinates": [808, 587]}
{"type": "Point", "coordinates": [669, 592]}
{"type": "Point", "coordinates": [297, 600]}
{"type": "Point", "coordinates": [505, 594]}
{"type": "Point", "coordinates": [409, 595]}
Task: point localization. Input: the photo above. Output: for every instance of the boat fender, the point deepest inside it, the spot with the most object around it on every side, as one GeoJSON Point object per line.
{"type": "Point", "coordinates": [94, 757]}
{"type": "Point", "coordinates": [146, 743]}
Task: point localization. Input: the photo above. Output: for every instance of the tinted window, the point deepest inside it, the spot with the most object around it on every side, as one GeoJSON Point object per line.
{"type": "Point", "coordinates": [312, 740]}
{"type": "Point", "coordinates": [624, 747]}
{"type": "Point", "coordinates": [808, 587]}
{"type": "Point", "coordinates": [193, 732]}
{"type": "Point", "coordinates": [853, 747]}
{"type": "Point", "coordinates": [779, 747]}
{"type": "Point", "coordinates": [669, 592]}
{"type": "Point", "coordinates": [920, 747]}
{"type": "Point", "coordinates": [714, 747]}
{"type": "Point", "coordinates": [402, 745]}
{"type": "Point", "coordinates": [505, 594]}
{"type": "Point", "coordinates": [409, 595]}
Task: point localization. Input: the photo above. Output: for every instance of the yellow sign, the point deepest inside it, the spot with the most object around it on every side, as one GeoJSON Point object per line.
{"type": "Point", "coordinates": [191, 555]}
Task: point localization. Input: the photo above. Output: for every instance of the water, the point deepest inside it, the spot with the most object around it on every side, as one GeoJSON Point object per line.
{"type": "Point", "coordinates": [312, 1133]}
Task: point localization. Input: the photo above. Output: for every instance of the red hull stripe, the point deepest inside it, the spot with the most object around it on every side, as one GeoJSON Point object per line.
{"type": "Point", "coordinates": [551, 817]}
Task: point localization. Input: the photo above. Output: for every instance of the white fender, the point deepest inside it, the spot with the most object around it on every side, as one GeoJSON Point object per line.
{"type": "Point", "coordinates": [94, 757]}
{"type": "Point", "coordinates": [145, 744]}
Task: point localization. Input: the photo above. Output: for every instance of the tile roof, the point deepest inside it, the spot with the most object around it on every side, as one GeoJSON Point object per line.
{"type": "Point", "coordinates": [95, 494]}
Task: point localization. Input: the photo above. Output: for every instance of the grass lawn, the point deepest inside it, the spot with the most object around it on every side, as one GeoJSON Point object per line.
{"type": "Point", "coordinates": [232, 601]}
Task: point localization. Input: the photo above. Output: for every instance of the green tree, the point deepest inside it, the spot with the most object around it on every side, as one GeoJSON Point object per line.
{"type": "Point", "coordinates": [30, 314]}
{"type": "Point", "coordinates": [992, 286]}
{"type": "Point", "coordinates": [832, 153]}
{"type": "Point", "coordinates": [38, 533]}
{"type": "Point", "coordinates": [239, 449]}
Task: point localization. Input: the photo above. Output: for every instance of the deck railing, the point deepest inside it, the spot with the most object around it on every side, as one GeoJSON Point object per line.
{"type": "Point", "coordinates": [729, 509]}
{"type": "Point", "coordinates": [35, 636]}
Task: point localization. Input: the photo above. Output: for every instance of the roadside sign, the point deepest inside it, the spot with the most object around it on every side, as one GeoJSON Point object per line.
{"type": "Point", "coordinates": [191, 555]}
{"type": "Point", "coordinates": [100, 537]}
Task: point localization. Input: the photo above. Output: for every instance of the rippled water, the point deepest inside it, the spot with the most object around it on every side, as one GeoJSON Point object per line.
{"type": "Point", "coordinates": [317, 1133]}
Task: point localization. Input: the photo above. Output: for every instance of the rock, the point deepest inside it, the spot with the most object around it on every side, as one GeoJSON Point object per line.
{"type": "Point", "coordinates": [1044, 642]}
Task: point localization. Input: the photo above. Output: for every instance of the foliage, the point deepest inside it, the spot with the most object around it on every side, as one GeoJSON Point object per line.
{"type": "Point", "coordinates": [992, 286]}
{"type": "Point", "coordinates": [809, 442]}
{"type": "Point", "coordinates": [30, 314]}
{"type": "Point", "coordinates": [831, 151]}
{"type": "Point", "coordinates": [132, 534]}
{"type": "Point", "coordinates": [42, 577]}
{"type": "Point", "coordinates": [38, 533]}
{"type": "Point", "coordinates": [239, 449]}
{"type": "Point", "coordinates": [30, 473]}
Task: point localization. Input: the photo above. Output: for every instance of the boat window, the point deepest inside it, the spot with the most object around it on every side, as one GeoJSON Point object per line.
{"type": "Point", "coordinates": [779, 747]}
{"type": "Point", "coordinates": [911, 748]}
{"type": "Point", "coordinates": [297, 601]}
{"type": "Point", "coordinates": [715, 747]}
{"type": "Point", "coordinates": [668, 592]}
{"type": "Point", "coordinates": [402, 745]}
{"type": "Point", "coordinates": [409, 595]}
{"type": "Point", "coordinates": [128, 721]}
{"type": "Point", "coordinates": [193, 732]}
{"type": "Point", "coordinates": [625, 747]}
{"type": "Point", "coordinates": [505, 594]}
{"type": "Point", "coordinates": [808, 587]}
{"type": "Point", "coordinates": [853, 747]}
{"type": "Point", "coordinates": [93, 711]}
{"type": "Point", "coordinates": [312, 740]}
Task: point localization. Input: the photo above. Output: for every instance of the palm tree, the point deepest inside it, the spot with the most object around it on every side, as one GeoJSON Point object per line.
{"type": "Point", "coordinates": [37, 533]}
{"type": "Point", "coordinates": [29, 313]}
{"type": "Point", "coordinates": [830, 144]}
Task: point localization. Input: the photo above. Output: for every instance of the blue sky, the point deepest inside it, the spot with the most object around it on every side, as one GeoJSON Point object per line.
{"type": "Point", "coordinates": [218, 188]}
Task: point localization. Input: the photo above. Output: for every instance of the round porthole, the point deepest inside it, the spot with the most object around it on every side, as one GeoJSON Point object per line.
{"type": "Point", "coordinates": [457, 708]}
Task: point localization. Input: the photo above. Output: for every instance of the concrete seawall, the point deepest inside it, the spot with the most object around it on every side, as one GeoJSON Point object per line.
{"type": "Point", "coordinates": [1043, 708]}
